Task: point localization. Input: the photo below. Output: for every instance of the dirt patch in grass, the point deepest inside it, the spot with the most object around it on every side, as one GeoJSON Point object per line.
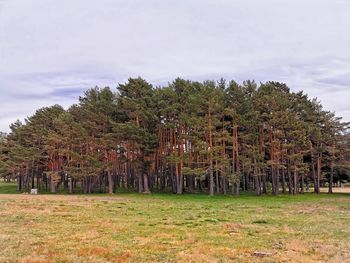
{"type": "Point", "coordinates": [204, 253]}
{"type": "Point", "coordinates": [298, 250]}
{"type": "Point", "coordinates": [233, 228]}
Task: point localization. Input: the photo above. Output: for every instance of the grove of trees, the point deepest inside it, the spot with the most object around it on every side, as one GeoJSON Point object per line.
{"type": "Point", "coordinates": [215, 137]}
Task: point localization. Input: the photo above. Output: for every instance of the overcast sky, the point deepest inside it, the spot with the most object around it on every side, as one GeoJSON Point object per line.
{"type": "Point", "coordinates": [53, 50]}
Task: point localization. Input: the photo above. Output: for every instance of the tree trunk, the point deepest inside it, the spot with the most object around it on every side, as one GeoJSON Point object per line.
{"type": "Point", "coordinates": [223, 185]}
{"type": "Point", "coordinates": [217, 177]}
{"type": "Point", "coordinates": [318, 174]}
{"type": "Point", "coordinates": [110, 182]}
{"type": "Point", "coordinates": [290, 183]}
{"type": "Point", "coordinates": [331, 176]}
{"type": "Point", "coordinates": [145, 184]}
{"type": "Point", "coordinates": [302, 184]}
{"type": "Point", "coordinates": [52, 185]}
{"type": "Point", "coordinates": [211, 181]}
{"type": "Point", "coordinates": [181, 149]}
{"type": "Point", "coordinates": [283, 182]}
{"type": "Point", "coordinates": [140, 183]}
{"type": "Point", "coordinates": [330, 186]}
{"type": "Point", "coordinates": [70, 185]}
{"type": "Point", "coordinates": [277, 181]}
{"type": "Point", "coordinates": [257, 185]}
{"type": "Point", "coordinates": [314, 176]}
{"type": "Point", "coordinates": [273, 180]}
{"type": "Point", "coordinates": [256, 180]}
{"type": "Point", "coordinates": [295, 183]}
{"type": "Point", "coordinates": [236, 187]}
{"type": "Point", "coordinates": [264, 184]}
{"type": "Point", "coordinates": [233, 157]}
{"type": "Point", "coordinates": [19, 183]}
{"type": "Point", "coordinates": [211, 176]}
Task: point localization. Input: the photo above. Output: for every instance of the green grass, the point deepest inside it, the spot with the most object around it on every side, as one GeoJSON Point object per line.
{"type": "Point", "coordinates": [129, 227]}
{"type": "Point", "coordinates": [8, 188]}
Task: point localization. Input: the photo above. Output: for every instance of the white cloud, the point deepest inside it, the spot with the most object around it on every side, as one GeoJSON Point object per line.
{"type": "Point", "coordinates": [52, 45]}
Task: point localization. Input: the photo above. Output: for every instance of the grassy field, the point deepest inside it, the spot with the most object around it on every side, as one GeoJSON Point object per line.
{"type": "Point", "coordinates": [169, 228]}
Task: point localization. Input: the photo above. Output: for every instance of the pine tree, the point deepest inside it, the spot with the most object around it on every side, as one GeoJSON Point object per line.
{"type": "Point", "coordinates": [188, 136]}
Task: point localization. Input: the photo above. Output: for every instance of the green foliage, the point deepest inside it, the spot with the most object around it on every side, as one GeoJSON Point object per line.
{"type": "Point", "coordinates": [142, 136]}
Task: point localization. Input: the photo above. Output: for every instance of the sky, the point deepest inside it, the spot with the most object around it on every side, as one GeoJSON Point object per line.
{"type": "Point", "coordinates": [53, 50]}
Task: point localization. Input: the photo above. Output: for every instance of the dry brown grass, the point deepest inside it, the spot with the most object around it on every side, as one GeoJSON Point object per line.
{"type": "Point", "coordinates": [164, 228]}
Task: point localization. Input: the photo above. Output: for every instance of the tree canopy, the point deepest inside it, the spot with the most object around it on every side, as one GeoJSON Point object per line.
{"type": "Point", "coordinates": [214, 137]}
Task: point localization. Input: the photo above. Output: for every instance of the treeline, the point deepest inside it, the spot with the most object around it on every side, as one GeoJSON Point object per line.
{"type": "Point", "coordinates": [214, 137]}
